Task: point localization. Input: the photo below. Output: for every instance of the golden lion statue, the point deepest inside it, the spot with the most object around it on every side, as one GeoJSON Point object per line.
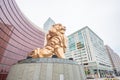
{"type": "Point", "coordinates": [56, 43]}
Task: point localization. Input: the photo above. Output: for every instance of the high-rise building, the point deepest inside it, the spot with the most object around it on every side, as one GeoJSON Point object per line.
{"type": "Point", "coordinates": [88, 49]}
{"type": "Point", "coordinates": [18, 36]}
{"type": "Point", "coordinates": [48, 24]}
{"type": "Point", "coordinates": [115, 60]}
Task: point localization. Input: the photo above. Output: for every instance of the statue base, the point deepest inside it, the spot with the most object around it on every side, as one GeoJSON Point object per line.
{"type": "Point", "coordinates": [46, 69]}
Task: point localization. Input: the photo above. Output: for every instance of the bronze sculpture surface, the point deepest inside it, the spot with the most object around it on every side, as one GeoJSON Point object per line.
{"type": "Point", "coordinates": [56, 43]}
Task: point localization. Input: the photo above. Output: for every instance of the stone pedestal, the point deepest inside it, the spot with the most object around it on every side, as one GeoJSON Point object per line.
{"type": "Point", "coordinates": [46, 69]}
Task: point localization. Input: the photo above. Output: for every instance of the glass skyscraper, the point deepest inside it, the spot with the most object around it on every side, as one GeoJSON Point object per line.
{"type": "Point", "coordinates": [48, 24]}
{"type": "Point", "coordinates": [18, 36]}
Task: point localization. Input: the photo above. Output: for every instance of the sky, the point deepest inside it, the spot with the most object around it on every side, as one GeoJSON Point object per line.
{"type": "Point", "coordinates": [102, 16]}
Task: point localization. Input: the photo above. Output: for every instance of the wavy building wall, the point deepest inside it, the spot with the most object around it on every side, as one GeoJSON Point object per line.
{"type": "Point", "coordinates": [18, 36]}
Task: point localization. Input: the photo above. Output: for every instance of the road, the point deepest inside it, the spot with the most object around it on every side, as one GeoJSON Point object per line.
{"type": "Point", "coordinates": [118, 78]}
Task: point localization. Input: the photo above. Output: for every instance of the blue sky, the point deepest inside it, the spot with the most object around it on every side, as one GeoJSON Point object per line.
{"type": "Point", "coordinates": [102, 16]}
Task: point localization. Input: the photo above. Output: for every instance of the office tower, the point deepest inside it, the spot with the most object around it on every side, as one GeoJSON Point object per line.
{"type": "Point", "coordinates": [18, 36]}
{"type": "Point", "coordinates": [88, 49]}
{"type": "Point", "coordinates": [115, 60]}
{"type": "Point", "coordinates": [48, 24]}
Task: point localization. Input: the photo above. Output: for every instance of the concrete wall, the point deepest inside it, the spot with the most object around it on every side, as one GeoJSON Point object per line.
{"type": "Point", "coordinates": [46, 69]}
